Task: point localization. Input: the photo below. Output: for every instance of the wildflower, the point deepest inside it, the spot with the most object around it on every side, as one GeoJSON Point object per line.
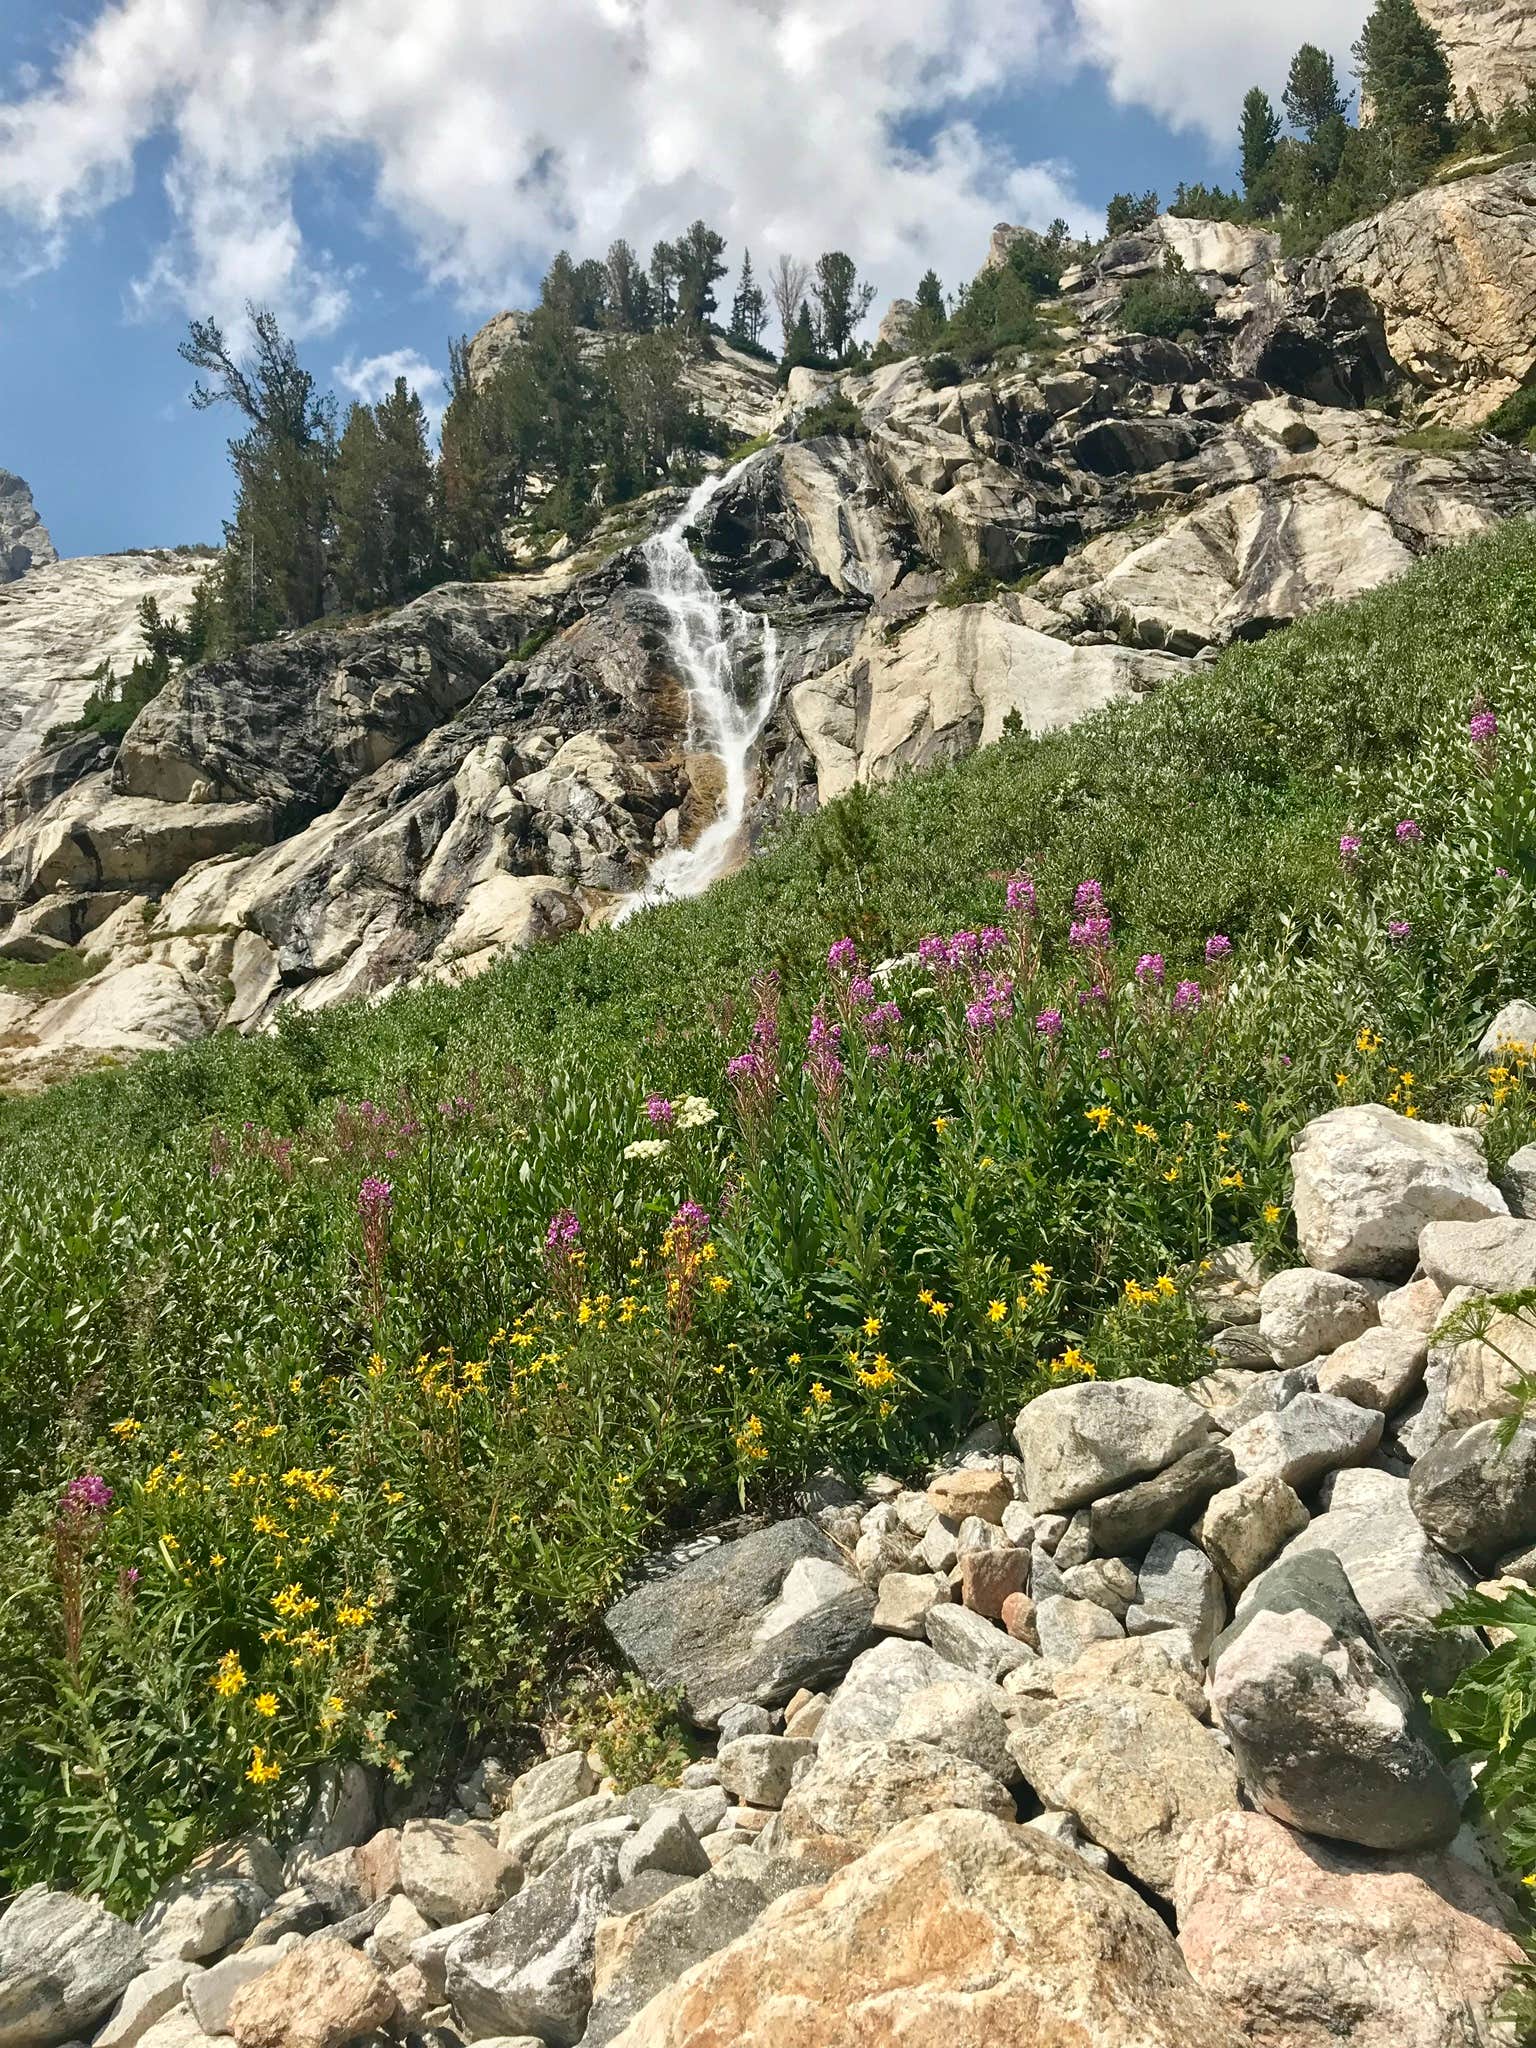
{"type": "Point", "coordinates": [719, 1283]}
{"type": "Point", "coordinates": [1040, 1270]}
{"type": "Point", "coordinates": [1090, 934]}
{"type": "Point", "coordinates": [692, 1220]}
{"type": "Point", "coordinates": [1049, 1024]}
{"type": "Point", "coordinates": [1099, 1117]}
{"type": "Point", "coordinates": [1167, 1286]}
{"type": "Point", "coordinates": [1186, 998]}
{"type": "Point", "coordinates": [871, 1326]}
{"type": "Point", "coordinates": [564, 1232]}
{"type": "Point", "coordinates": [1144, 1131]}
{"type": "Point", "coordinates": [997, 1311]}
{"type": "Point", "coordinates": [693, 1112]}
{"type": "Point", "coordinates": [934, 952]}
{"type": "Point", "coordinates": [993, 939]}
{"type": "Point", "coordinates": [125, 1429]}
{"type": "Point", "coordinates": [1409, 833]}
{"type": "Point", "coordinates": [659, 1112]}
{"type": "Point", "coordinates": [229, 1678]}
{"type": "Point", "coordinates": [87, 1495]}
{"type": "Point", "coordinates": [1349, 848]}
{"type": "Point", "coordinates": [1021, 895]}
{"type": "Point", "coordinates": [648, 1148]}
{"type": "Point", "coordinates": [842, 954]}
{"type": "Point", "coordinates": [1271, 1212]}
{"type": "Point", "coordinates": [1367, 1040]}
{"type": "Point", "coordinates": [820, 1395]}
{"type": "Point", "coordinates": [746, 1067]}
{"type": "Point", "coordinates": [1483, 727]}
{"type": "Point", "coordinates": [265, 1704]}
{"type": "Point", "coordinates": [794, 1358]}
{"type": "Point", "coordinates": [938, 1310]}
{"type": "Point", "coordinates": [1151, 967]}
{"type": "Point", "coordinates": [1399, 931]}
{"type": "Point", "coordinates": [349, 1615]}
{"type": "Point", "coordinates": [261, 1771]}
{"type": "Point", "coordinates": [374, 1198]}
{"type": "Point", "coordinates": [1089, 899]}
{"type": "Point", "coordinates": [1217, 947]}
{"type": "Point", "coordinates": [941, 1124]}
{"type": "Point", "coordinates": [980, 1017]}
{"type": "Point", "coordinates": [1231, 1180]}
{"type": "Point", "coordinates": [964, 946]}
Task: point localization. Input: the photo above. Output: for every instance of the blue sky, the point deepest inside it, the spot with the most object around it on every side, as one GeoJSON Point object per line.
{"type": "Point", "coordinates": [386, 175]}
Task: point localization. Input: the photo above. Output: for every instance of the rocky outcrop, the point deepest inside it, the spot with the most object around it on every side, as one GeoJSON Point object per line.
{"type": "Point", "coordinates": [61, 621]}
{"type": "Point", "coordinates": [1491, 45]}
{"type": "Point", "coordinates": [24, 540]}
{"type": "Point", "coordinates": [1453, 271]}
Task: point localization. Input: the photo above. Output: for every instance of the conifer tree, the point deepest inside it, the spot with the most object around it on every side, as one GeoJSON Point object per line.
{"type": "Point", "coordinates": [1259, 140]}
{"type": "Point", "coordinates": [930, 312]}
{"type": "Point", "coordinates": [841, 301]}
{"type": "Point", "coordinates": [749, 308]}
{"type": "Point", "coordinates": [800, 347]}
{"type": "Point", "coordinates": [699, 269]}
{"type": "Point", "coordinates": [1404, 74]}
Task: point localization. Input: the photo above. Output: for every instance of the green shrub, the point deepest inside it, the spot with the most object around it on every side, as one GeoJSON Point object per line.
{"type": "Point", "coordinates": [967, 586]}
{"type": "Point", "coordinates": [942, 371]}
{"type": "Point", "coordinates": [1438, 440]}
{"type": "Point", "coordinates": [835, 414]}
{"type": "Point", "coordinates": [1168, 303]}
{"type": "Point", "coordinates": [1515, 419]}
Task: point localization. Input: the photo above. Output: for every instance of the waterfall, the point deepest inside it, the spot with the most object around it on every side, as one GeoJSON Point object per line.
{"type": "Point", "coordinates": [707, 635]}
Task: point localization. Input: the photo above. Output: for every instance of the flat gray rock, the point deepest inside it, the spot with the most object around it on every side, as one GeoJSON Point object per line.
{"type": "Point", "coordinates": [1475, 1495]}
{"type": "Point", "coordinates": [753, 1620]}
{"type": "Point", "coordinates": [1081, 1442]}
{"type": "Point", "coordinates": [64, 1963]}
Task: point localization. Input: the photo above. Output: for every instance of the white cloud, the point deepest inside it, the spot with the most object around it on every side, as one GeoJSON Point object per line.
{"type": "Point", "coordinates": [494, 132]}
{"type": "Point", "coordinates": [1191, 61]}
{"type": "Point", "coordinates": [373, 377]}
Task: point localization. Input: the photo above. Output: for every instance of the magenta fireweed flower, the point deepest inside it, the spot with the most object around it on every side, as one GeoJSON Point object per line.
{"type": "Point", "coordinates": [880, 1018]}
{"type": "Point", "coordinates": [1153, 968]}
{"type": "Point", "coordinates": [842, 955]}
{"type": "Point", "coordinates": [1089, 900]}
{"type": "Point", "coordinates": [861, 989]}
{"type": "Point", "coordinates": [1106, 1052]}
{"type": "Point", "coordinates": [87, 1495]}
{"type": "Point", "coordinates": [1483, 727]}
{"type": "Point", "coordinates": [993, 937]}
{"type": "Point", "coordinates": [1217, 947]}
{"type": "Point", "coordinates": [822, 1033]}
{"type": "Point", "coordinates": [934, 952]}
{"type": "Point", "coordinates": [746, 1066]}
{"type": "Point", "coordinates": [1349, 848]}
{"type": "Point", "coordinates": [659, 1112]}
{"type": "Point", "coordinates": [879, 1052]}
{"type": "Point", "coordinates": [980, 1017]}
{"type": "Point", "coordinates": [374, 1198]}
{"type": "Point", "coordinates": [964, 946]}
{"type": "Point", "coordinates": [1186, 998]}
{"type": "Point", "coordinates": [692, 1219]}
{"type": "Point", "coordinates": [1049, 1024]}
{"type": "Point", "coordinates": [564, 1232]}
{"type": "Point", "coordinates": [1021, 895]}
{"type": "Point", "coordinates": [1399, 931]}
{"type": "Point", "coordinates": [1409, 833]}
{"type": "Point", "coordinates": [1091, 934]}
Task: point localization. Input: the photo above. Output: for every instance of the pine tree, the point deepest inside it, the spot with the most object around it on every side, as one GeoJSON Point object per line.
{"type": "Point", "coordinates": [1259, 141]}
{"type": "Point", "coordinates": [664, 277]}
{"type": "Point", "coordinates": [628, 291]}
{"type": "Point", "coordinates": [386, 541]}
{"type": "Point", "coordinates": [699, 269]}
{"type": "Point", "coordinates": [841, 301]}
{"type": "Point", "coordinates": [1403, 72]}
{"type": "Point", "coordinates": [359, 549]}
{"type": "Point", "coordinates": [749, 308]}
{"type": "Point", "coordinates": [930, 312]}
{"type": "Point", "coordinates": [800, 348]}
{"type": "Point", "coordinates": [1127, 214]}
{"type": "Point", "coordinates": [273, 574]}
{"type": "Point", "coordinates": [1317, 110]}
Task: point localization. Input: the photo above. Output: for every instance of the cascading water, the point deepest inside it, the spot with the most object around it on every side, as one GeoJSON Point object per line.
{"type": "Point", "coordinates": [708, 637]}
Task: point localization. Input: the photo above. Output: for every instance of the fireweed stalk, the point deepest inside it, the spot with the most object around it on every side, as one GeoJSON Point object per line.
{"type": "Point", "coordinates": [82, 1510]}
{"type": "Point", "coordinates": [375, 1198]}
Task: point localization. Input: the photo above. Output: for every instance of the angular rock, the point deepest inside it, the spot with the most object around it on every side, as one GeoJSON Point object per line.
{"type": "Point", "coordinates": [860, 1792]}
{"type": "Point", "coordinates": [665, 1845]}
{"type": "Point", "coordinates": [1162, 1663]}
{"type": "Point", "coordinates": [451, 1873]}
{"type": "Point", "coordinates": [1303, 1314]}
{"type": "Point", "coordinates": [1477, 1377]}
{"type": "Point", "coordinates": [1180, 1588]}
{"type": "Point", "coordinates": [968, 1492]}
{"type": "Point", "coordinates": [64, 1962]}
{"type": "Point", "coordinates": [973, 1643]}
{"type": "Point", "coordinates": [989, 1577]}
{"type": "Point", "coordinates": [641, 1950]}
{"type": "Point", "coordinates": [528, 1969]}
{"type": "Point", "coordinates": [1475, 1495]}
{"type": "Point", "coordinates": [745, 1719]}
{"type": "Point", "coordinates": [429, 1953]}
{"type": "Point", "coordinates": [1414, 1307]}
{"type": "Point", "coordinates": [398, 1932]}
{"type": "Point", "coordinates": [1136, 1769]}
{"type": "Point", "coordinates": [1064, 1627]}
{"type": "Point", "coordinates": [320, 1995]}
{"type": "Point", "coordinates": [865, 1706]}
{"type": "Point", "coordinates": [1517, 1183]}
{"type": "Point", "coordinates": [1267, 1393]}
{"type": "Point", "coordinates": [1107, 1581]}
{"type": "Point", "coordinates": [1245, 1527]}
{"type": "Point", "coordinates": [1316, 1434]}
{"type": "Point", "coordinates": [147, 2000]}
{"type": "Point", "coordinates": [1123, 1522]}
{"type": "Point", "coordinates": [1325, 1733]}
{"type": "Point", "coordinates": [1380, 1370]}
{"type": "Point", "coordinates": [1306, 1944]}
{"type": "Point", "coordinates": [959, 1929]}
{"type": "Point", "coordinates": [757, 1769]}
{"type": "Point", "coordinates": [959, 1716]}
{"type": "Point", "coordinates": [1513, 1030]}
{"type": "Point", "coordinates": [1496, 1255]}
{"type": "Point", "coordinates": [1081, 1442]}
{"type": "Point", "coordinates": [751, 1620]}
{"type": "Point", "coordinates": [1367, 1181]}
{"type": "Point", "coordinates": [211, 1992]}
{"type": "Point", "coordinates": [1401, 1580]}
{"type": "Point", "coordinates": [903, 1602]}
{"type": "Point", "coordinates": [215, 1902]}
{"type": "Point", "coordinates": [552, 1786]}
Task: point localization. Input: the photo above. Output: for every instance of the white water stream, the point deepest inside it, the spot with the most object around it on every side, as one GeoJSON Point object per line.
{"type": "Point", "coordinates": [708, 635]}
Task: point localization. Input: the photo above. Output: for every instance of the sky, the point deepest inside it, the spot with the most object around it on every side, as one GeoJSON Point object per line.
{"type": "Point", "coordinates": [386, 174]}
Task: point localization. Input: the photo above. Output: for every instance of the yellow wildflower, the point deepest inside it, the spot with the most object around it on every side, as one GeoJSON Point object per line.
{"type": "Point", "coordinates": [794, 1358]}
{"type": "Point", "coordinates": [941, 1124]}
{"type": "Point", "coordinates": [261, 1771]}
{"type": "Point", "coordinates": [1099, 1117]}
{"type": "Point", "coordinates": [820, 1395]}
{"type": "Point", "coordinates": [997, 1311]}
{"type": "Point", "coordinates": [265, 1704]}
{"type": "Point", "coordinates": [871, 1326]}
{"type": "Point", "coordinates": [1144, 1131]}
{"type": "Point", "coordinates": [127, 1428]}
{"type": "Point", "coordinates": [230, 1675]}
{"type": "Point", "coordinates": [1272, 1212]}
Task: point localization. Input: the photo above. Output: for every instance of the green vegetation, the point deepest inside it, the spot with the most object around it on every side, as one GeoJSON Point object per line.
{"type": "Point", "coordinates": [1438, 440]}
{"type": "Point", "coordinates": [1515, 419]}
{"type": "Point", "coordinates": [394, 1337]}
{"type": "Point", "coordinates": [835, 414]}
{"type": "Point", "coordinates": [55, 977]}
{"type": "Point", "coordinates": [1169, 302]}
{"type": "Point", "coordinates": [114, 703]}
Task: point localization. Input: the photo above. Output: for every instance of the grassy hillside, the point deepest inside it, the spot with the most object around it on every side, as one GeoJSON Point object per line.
{"type": "Point", "coordinates": [396, 1335]}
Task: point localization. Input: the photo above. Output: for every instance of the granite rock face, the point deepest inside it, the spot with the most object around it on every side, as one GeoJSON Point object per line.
{"type": "Point", "coordinates": [24, 540]}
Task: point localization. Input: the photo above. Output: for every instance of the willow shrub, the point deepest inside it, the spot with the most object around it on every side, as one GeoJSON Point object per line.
{"type": "Point", "coordinates": [346, 1373]}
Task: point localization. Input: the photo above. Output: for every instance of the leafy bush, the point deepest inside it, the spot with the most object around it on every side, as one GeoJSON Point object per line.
{"type": "Point", "coordinates": [386, 1342]}
{"type": "Point", "coordinates": [941, 371]}
{"type": "Point", "coordinates": [1515, 419]}
{"type": "Point", "coordinates": [1169, 303]}
{"type": "Point", "coordinates": [967, 586]}
{"type": "Point", "coordinates": [836, 414]}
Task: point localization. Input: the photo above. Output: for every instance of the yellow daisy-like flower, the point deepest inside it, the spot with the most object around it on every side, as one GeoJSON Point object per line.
{"type": "Point", "coordinates": [925, 1296]}
{"type": "Point", "coordinates": [1040, 1270]}
{"type": "Point", "coordinates": [1099, 1117]}
{"type": "Point", "coordinates": [229, 1678]}
{"type": "Point", "coordinates": [127, 1428]}
{"type": "Point", "coordinates": [263, 1772]}
{"type": "Point", "coordinates": [1272, 1212]}
{"type": "Point", "coordinates": [821, 1395]}
{"type": "Point", "coordinates": [1172, 1174]}
{"type": "Point", "coordinates": [1144, 1131]}
{"type": "Point", "coordinates": [794, 1358]}
{"type": "Point", "coordinates": [1242, 1109]}
{"type": "Point", "coordinates": [719, 1283]}
{"type": "Point", "coordinates": [1167, 1287]}
{"type": "Point", "coordinates": [938, 1310]}
{"type": "Point", "coordinates": [265, 1704]}
{"type": "Point", "coordinates": [941, 1124]}
{"type": "Point", "coordinates": [871, 1326]}
{"type": "Point", "coordinates": [997, 1311]}
{"type": "Point", "coordinates": [1231, 1180]}
{"type": "Point", "coordinates": [349, 1616]}
{"type": "Point", "coordinates": [1341, 1080]}
{"type": "Point", "coordinates": [1367, 1040]}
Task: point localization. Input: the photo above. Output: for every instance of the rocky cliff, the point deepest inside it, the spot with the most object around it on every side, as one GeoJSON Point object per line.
{"type": "Point", "coordinates": [1491, 45]}
{"type": "Point", "coordinates": [364, 805]}
{"type": "Point", "coordinates": [24, 540]}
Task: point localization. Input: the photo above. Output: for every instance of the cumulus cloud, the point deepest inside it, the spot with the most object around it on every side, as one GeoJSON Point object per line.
{"type": "Point", "coordinates": [373, 377]}
{"type": "Point", "coordinates": [491, 134]}
{"type": "Point", "coordinates": [1191, 61]}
